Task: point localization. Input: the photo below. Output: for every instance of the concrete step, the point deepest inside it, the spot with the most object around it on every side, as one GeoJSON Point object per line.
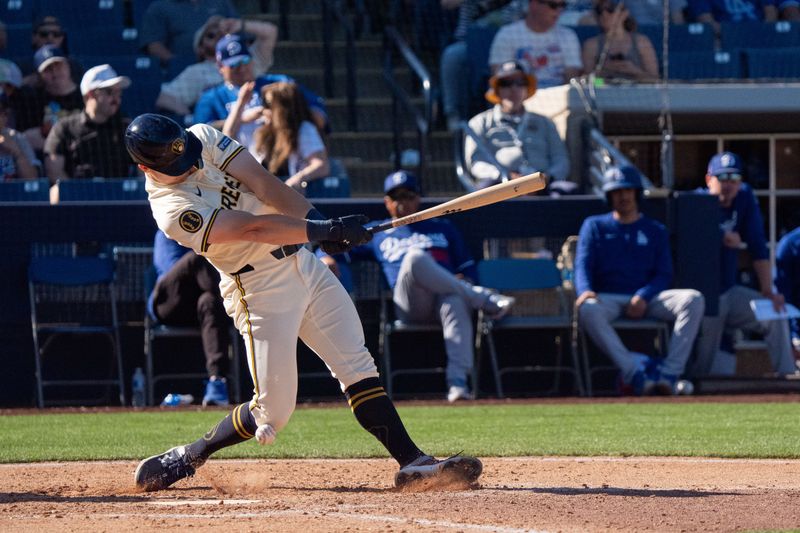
{"type": "Point", "coordinates": [369, 81]}
{"type": "Point", "coordinates": [374, 114]}
{"type": "Point", "coordinates": [378, 146]}
{"type": "Point", "coordinates": [366, 178]}
{"type": "Point", "coordinates": [308, 54]}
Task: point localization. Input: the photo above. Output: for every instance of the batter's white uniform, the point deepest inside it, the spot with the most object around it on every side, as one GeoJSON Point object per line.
{"type": "Point", "coordinates": [272, 301]}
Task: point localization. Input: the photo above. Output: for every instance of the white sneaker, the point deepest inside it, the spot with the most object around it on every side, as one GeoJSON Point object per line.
{"type": "Point", "coordinates": [458, 393]}
{"type": "Point", "coordinates": [457, 467]}
{"type": "Point", "coordinates": [498, 305]}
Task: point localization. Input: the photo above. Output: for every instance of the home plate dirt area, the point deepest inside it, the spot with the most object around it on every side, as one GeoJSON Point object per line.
{"type": "Point", "coordinates": [515, 494]}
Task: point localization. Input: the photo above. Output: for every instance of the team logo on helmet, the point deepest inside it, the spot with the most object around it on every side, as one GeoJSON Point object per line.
{"type": "Point", "coordinates": [178, 146]}
{"type": "Point", "coordinates": [190, 221]}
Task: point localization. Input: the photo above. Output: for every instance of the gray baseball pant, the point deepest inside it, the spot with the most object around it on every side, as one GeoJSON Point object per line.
{"type": "Point", "coordinates": [427, 292]}
{"type": "Point", "coordinates": [735, 312]}
{"type": "Point", "coordinates": [684, 307]}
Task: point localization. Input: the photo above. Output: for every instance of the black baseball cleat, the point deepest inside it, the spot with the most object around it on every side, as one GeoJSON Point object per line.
{"type": "Point", "coordinates": [160, 471]}
{"type": "Point", "coordinates": [456, 468]}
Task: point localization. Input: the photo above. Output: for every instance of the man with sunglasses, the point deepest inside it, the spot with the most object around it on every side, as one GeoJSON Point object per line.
{"type": "Point", "coordinates": [47, 31]}
{"type": "Point", "coordinates": [89, 143]}
{"type": "Point", "coordinates": [236, 67]}
{"type": "Point", "coordinates": [741, 227]}
{"type": "Point", "coordinates": [180, 95]}
{"type": "Point", "coordinates": [553, 52]}
{"type": "Point", "coordinates": [431, 275]}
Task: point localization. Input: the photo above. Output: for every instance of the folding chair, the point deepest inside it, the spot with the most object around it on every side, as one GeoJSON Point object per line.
{"type": "Point", "coordinates": [73, 296]}
{"type": "Point", "coordinates": [154, 330]}
{"type": "Point", "coordinates": [659, 328]}
{"type": "Point", "coordinates": [533, 282]}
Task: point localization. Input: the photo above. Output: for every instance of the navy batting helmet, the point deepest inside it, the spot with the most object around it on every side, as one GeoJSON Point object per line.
{"type": "Point", "coordinates": [161, 144]}
{"type": "Point", "coordinates": [626, 177]}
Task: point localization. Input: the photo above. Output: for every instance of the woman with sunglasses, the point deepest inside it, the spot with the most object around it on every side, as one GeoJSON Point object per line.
{"type": "Point", "coordinates": [619, 52]}
{"type": "Point", "coordinates": [519, 141]}
{"type": "Point", "coordinates": [288, 144]}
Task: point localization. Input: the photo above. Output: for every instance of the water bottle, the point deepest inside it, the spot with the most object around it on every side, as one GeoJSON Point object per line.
{"type": "Point", "coordinates": [137, 388]}
{"type": "Point", "coordinates": [175, 400]}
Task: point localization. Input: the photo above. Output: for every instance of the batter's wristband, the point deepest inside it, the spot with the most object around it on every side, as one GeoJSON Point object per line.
{"type": "Point", "coordinates": [323, 230]}
{"type": "Point", "coordinates": [313, 214]}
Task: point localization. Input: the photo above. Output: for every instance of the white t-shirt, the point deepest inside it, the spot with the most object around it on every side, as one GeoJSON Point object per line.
{"type": "Point", "coordinates": [308, 142]}
{"type": "Point", "coordinates": [548, 53]}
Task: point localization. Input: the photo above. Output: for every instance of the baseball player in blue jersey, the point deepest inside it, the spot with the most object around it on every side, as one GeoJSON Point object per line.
{"type": "Point", "coordinates": [740, 227]}
{"type": "Point", "coordinates": [431, 275]}
{"type": "Point", "coordinates": [207, 193]}
{"type": "Point", "coordinates": [623, 268]}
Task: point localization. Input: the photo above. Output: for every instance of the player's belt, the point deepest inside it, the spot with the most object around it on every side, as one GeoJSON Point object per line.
{"type": "Point", "coordinates": [285, 251]}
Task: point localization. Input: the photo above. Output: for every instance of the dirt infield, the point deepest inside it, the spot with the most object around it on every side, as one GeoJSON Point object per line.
{"type": "Point", "coordinates": [515, 494]}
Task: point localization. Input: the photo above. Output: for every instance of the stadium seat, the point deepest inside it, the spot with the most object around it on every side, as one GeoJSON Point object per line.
{"type": "Point", "coordinates": [101, 190]}
{"type": "Point", "coordinates": [146, 78]}
{"type": "Point", "coordinates": [73, 296]}
{"type": "Point", "coordinates": [783, 63]}
{"type": "Point", "coordinates": [19, 41]}
{"type": "Point", "coordinates": [541, 306]}
{"type": "Point", "coordinates": [479, 41]}
{"type": "Point", "coordinates": [94, 14]}
{"type": "Point", "coordinates": [25, 191]}
{"type": "Point", "coordinates": [779, 34]}
{"type": "Point", "coordinates": [585, 32]}
{"type": "Point", "coordinates": [16, 11]}
{"type": "Point", "coordinates": [337, 185]}
{"type": "Point", "coordinates": [705, 65]}
{"type": "Point", "coordinates": [695, 37]}
{"type": "Point", "coordinates": [114, 41]}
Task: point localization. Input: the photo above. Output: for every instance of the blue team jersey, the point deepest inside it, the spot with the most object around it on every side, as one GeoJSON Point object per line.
{"type": "Point", "coordinates": [439, 238]}
{"type": "Point", "coordinates": [623, 258]}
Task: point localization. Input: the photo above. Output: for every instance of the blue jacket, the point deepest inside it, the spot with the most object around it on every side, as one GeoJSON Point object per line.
{"type": "Point", "coordinates": [743, 217]}
{"type": "Point", "coordinates": [623, 258]}
{"type": "Point", "coordinates": [166, 253]}
{"type": "Point", "coordinates": [439, 237]}
{"type": "Point", "coordinates": [787, 272]}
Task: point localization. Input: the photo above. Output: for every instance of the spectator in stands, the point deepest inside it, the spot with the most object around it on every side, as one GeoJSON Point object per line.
{"type": "Point", "coordinates": [187, 294]}
{"type": "Point", "coordinates": [787, 280]}
{"type": "Point", "coordinates": [553, 52]}
{"type": "Point", "coordinates": [789, 10]}
{"type": "Point", "coordinates": [740, 227]}
{"type": "Point", "coordinates": [454, 61]}
{"type": "Point", "coordinates": [17, 160]}
{"type": "Point", "coordinates": [521, 141]}
{"type": "Point", "coordinates": [180, 95]}
{"type": "Point", "coordinates": [10, 83]}
{"type": "Point", "coordinates": [36, 109]}
{"type": "Point", "coordinates": [47, 31]}
{"type": "Point", "coordinates": [715, 11]}
{"type": "Point", "coordinates": [90, 144]}
{"type": "Point", "coordinates": [288, 143]}
{"type": "Point", "coordinates": [623, 269]}
{"type": "Point", "coordinates": [620, 52]}
{"type": "Point", "coordinates": [643, 12]}
{"type": "Point", "coordinates": [431, 275]}
{"type": "Point", "coordinates": [3, 38]}
{"type": "Point", "coordinates": [235, 64]}
{"type": "Point", "coordinates": [169, 26]}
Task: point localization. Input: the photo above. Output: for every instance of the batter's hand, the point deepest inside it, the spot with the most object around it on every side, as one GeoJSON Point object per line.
{"type": "Point", "coordinates": [333, 248]}
{"type": "Point", "coordinates": [349, 230]}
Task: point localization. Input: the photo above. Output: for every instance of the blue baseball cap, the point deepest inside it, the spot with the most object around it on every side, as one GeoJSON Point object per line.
{"type": "Point", "coordinates": [46, 56]}
{"type": "Point", "coordinates": [725, 163]}
{"type": "Point", "coordinates": [401, 178]}
{"type": "Point", "coordinates": [231, 51]}
{"type": "Point", "coordinates": [626, 177]}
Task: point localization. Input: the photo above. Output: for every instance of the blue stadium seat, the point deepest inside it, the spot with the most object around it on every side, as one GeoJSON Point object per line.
{"type": "Point", "coordinates": [782, 34]}
{"type": "Point", "coordinates": [139, 7]}
{"type": "Point", "coordinates": [25, 191]}
{"type": "Point", "coordinates": [695, 37]}
{"type": "Point", "coordinates": [19, 40]}
{"type": "Point", "coordinates": [585, 33]}
{"type": "Point", "coordinates": [16, 11]}
{"type": "Point", "coordinates": [705, 65]}
{"type": "Point", "coordinates": [479, 41]}
{"type": "Point", "coordinates": [112, 41]}
{"type": "Point", "coordinates": [145, 74]}
{"type": "Point", "coordinates": [654, 32]}
{"type": "Point", "coordinates": [772, 62]}
{"type": "Point", "coordinates": [94, 14]}
{"type": "Point", "coordinates": [101, 190]}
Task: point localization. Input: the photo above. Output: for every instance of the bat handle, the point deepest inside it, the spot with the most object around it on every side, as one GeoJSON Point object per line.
{"type": "Point", "coordinates": [380, 227]}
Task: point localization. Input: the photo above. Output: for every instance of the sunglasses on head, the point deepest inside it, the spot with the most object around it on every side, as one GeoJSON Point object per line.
{"type": "Point", "coordinates": [512, 82]}
{"type": "Point", "coordinates": [553, 5]}
{"type": "Point", "coordinates": [729, 176]}
{"type": "Point", "coordinates": [44, 34]}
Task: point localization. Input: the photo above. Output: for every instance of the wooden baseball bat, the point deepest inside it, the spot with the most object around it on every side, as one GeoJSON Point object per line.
{"type": "Point", "coordinates": [490, 195]}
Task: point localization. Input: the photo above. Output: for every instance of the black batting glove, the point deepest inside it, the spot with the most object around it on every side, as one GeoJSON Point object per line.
{"type": "Point", "coordinates": [347, 230]}
{"type": "Point", "coordinates": [333, 248]}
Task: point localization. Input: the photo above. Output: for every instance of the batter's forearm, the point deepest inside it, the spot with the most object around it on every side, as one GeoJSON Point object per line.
{"type": "Point", "coordinates": [232, 226]}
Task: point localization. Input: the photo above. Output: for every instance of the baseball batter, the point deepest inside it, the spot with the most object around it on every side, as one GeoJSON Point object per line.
{"type": "Point", "coordinates": [207, 193]}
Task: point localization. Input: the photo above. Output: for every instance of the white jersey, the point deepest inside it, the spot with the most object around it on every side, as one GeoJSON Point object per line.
{"type": "Point", "coordinates": [186, 211]}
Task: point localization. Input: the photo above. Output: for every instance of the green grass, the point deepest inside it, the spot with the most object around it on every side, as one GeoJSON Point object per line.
{"type": "Point", "coordinates": [764, 430]}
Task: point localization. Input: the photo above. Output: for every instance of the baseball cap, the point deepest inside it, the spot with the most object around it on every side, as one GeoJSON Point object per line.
{"type": "Point", "coordinates": [10, 73]}
{"type": "Point", "coordinates": [398, 179]}
{"type": "Point", "coordinates": [725, 163]}
{"type": "Point", "coordinates": [231, 50]}
{"type": "Point", "coordinates": [507, 70]}
{"type": "Point", "coordinates": [102, 76]}
{"type": "Point", "coordinates": [46, 56]}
